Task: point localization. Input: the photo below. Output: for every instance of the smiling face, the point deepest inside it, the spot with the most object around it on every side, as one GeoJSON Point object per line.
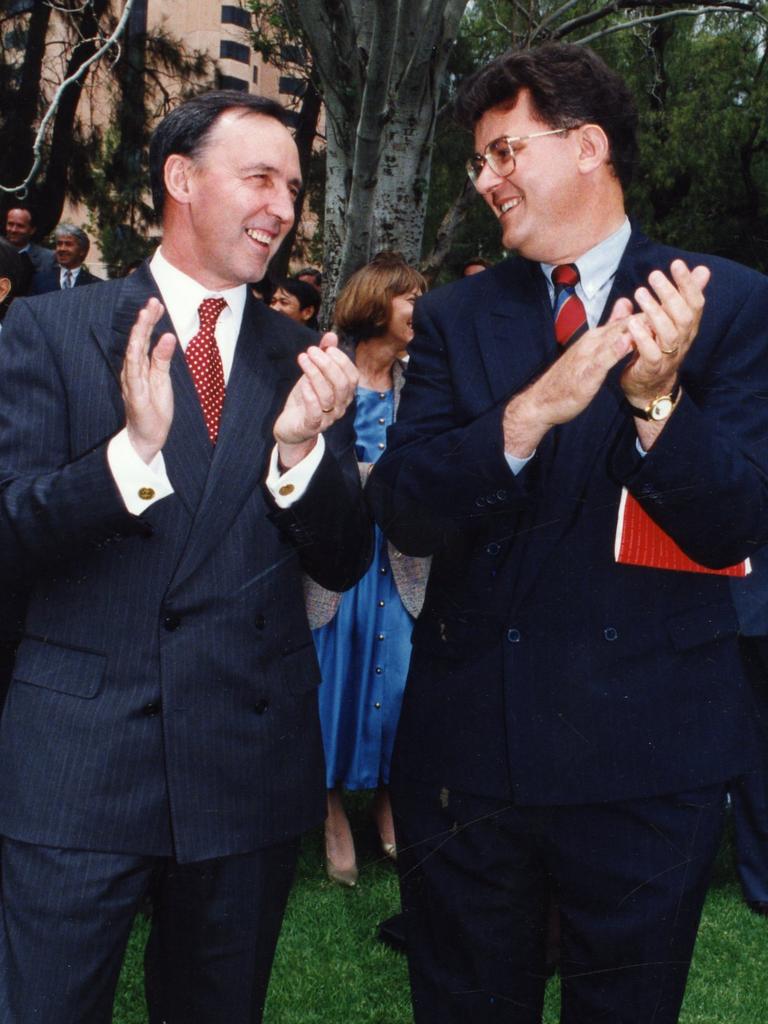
{"type": "Point", "coordinates": [538, 205]}
{"type": "Point", "coordinates": [69, 252]}
{"type": "Point", "coordinates": [232, 204]}
{"type": "Point", "coordinates": [289, 305]}
{"type": "Point", "coordinates": [19, 228]}
{"type": "Point", "coordinates": [400, 323]}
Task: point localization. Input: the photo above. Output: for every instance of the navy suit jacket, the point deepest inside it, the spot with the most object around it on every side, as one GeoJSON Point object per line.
{"type": "Point", "coordinates": [543, 671]}
{"type": "Point", "coordinates": [163, 698]}
{"type": "Point", "coordinates": [49, 280]}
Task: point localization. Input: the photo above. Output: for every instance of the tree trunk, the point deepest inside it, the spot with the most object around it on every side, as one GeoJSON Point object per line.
{"type": "Point", "coordinates": [380, 64]}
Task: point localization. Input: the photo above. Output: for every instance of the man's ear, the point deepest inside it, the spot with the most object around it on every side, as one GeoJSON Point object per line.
{"type": "Point", "coordinates": [307, 312]}
{"type": "Point", "coordinates": [177, 175]}
{"type": "Point", "coordinates": [5, 288]}
{"type": "Point", "coordinates": [594, 148]}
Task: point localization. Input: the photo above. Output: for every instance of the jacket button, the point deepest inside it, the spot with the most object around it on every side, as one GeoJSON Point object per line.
{"type": "Point", "coordinates": [171, 622]}
{"type": "Point", "coordinates": [610, 633]}
{"type": "Point", "coordinates": [493, 548]}
{"type": "Point", "coordinates": [259, 621]}
{"type": "Point", "coordinates": [513, 636]}
{"type": "Point", "coordinates": [260, 706]}
{"type": "Point", "coordinates": [152, 709]}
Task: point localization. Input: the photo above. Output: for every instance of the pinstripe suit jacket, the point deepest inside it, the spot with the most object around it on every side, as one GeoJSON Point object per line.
{"type": "Point", "coordinates": [163, 697]}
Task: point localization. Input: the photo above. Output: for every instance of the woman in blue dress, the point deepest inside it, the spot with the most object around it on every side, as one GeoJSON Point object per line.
{"type": "Point", "coordinates": [364, 646]}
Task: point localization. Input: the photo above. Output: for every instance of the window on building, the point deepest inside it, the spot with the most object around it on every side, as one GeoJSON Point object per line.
{"type": "Point", "coordinates": [290, 86]}
{"type": "Point", "coordinates": [231, 15]}
{"type": "Point", "coordinates": [255, 74]}
{"type": "Point", "coordinates": [231, 82]}
{"type": "Point", "coordinates": [234, 51]}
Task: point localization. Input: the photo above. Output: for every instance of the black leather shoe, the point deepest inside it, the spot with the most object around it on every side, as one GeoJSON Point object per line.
{"type": "Point", "coordinates": [392, 932]}
{"type": "Point", "coordinates": [759, 907]}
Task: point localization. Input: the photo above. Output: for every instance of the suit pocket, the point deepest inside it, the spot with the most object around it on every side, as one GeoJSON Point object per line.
{"type": "Point", "coordinates": [301, 672]}
{"type": "Point", "coordinates": [63, 669]}
{"type": "Point", "coordinates": [704, 625]}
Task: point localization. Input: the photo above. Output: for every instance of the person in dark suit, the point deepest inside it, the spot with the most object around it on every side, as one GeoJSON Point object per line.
{"type": "Point", "coordinates": [173, 456]}
{"type": "Point", "coordinates": [574, 709]}
{"type": "Point", "coordinates": [19, 231]}
{"type": "Point", "coordinates": [72, 245]}
{"type": "Point", "coordinates": [749, 792]}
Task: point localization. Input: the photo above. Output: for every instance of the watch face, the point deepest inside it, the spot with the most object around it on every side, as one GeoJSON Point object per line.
{"type": "Point", "coordinates": [661, 408]}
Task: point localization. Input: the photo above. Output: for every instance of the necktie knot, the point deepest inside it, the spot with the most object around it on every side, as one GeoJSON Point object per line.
{"type": "Point", "coordinates": [570, 315]}
{"type": "Point", "coordinates": [565, 276]}
{"type": "Point", "coordinates": [209, 311]}
{"type": "Point", "coordinates": [67, 278]}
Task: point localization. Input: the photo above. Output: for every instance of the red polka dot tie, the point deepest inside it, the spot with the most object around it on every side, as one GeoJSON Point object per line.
{"type": "Point", "coordinates": [204, 362]}
{"type": "Point", "coordinates": [570, 316]}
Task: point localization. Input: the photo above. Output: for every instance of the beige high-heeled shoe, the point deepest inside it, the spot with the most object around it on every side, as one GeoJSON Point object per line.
{"type": "Point", "coordinates": [343, 876]}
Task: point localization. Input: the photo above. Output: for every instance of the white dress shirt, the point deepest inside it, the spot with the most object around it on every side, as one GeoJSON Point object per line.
{"type": "Point", "coordinates": [141, 485]}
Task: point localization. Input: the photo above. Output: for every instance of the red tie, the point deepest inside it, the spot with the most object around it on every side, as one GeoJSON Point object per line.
{"type": "Point", "coordinates": [570, 317]}
{"type": "Point", "coordinates": [204, 363]}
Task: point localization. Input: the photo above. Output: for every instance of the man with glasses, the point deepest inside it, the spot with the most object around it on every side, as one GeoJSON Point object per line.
{"type": "Point", "coordinates": [581, 447]}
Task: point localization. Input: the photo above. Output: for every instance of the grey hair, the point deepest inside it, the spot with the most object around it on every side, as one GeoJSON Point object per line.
{"type": "Point", "coordinates": [75, 232]}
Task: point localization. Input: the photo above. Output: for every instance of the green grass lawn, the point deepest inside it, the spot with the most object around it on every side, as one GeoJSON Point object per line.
{"type": "Point", "coordinates": [331, 968]}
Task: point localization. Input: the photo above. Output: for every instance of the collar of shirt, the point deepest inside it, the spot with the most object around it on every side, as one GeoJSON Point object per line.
{"type": "Point", "coordinates": [597, 269]}
{"type": "Point", "coordinates": [182, 296]}
{"type": "Point", "coordinates": [63, 275]}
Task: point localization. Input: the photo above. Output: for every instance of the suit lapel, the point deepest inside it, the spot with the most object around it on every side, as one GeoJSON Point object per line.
{"type": "Point", "coordinates": [263, 368]}
{"type": "Point", "coordinates": [515, 334]}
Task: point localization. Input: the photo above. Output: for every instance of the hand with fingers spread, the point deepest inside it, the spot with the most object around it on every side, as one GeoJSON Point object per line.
{"type": "Point", "coordinates": [145, 382]}
{"type": "Point", "coordinates": [319, 398]}
{"type": "Point", "coordinates": [663, 334]}
{"type": "Point", "coordinates": [569, 385]}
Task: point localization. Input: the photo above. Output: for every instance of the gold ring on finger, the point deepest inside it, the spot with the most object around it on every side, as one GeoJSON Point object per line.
{"type": "Point", "coordinates": [670, 351]}
{"type": "Point", "coordinates": [326, 410]}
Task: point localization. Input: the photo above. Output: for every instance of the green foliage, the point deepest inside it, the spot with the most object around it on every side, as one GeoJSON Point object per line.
{"type": "Point", "coordinates": [702, 93]}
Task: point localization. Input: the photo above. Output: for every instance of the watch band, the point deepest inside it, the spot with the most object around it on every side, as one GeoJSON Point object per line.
{"type": "Point", "coordinates": [658, 409]}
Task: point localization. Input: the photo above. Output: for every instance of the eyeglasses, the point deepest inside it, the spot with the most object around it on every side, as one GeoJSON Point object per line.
{"type": "Point", "coordinates": [500, 154]}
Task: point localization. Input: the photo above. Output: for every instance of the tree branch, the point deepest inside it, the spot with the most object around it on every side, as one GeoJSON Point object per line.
{"type": "Point", "coordinates": [110, 41]}
{"type": "Point", "coordinates": [648, 20]}
{"type": "Point", "coordinates": [614, 6]}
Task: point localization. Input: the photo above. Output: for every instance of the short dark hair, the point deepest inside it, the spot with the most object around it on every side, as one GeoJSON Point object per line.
{"type": "Point", "coordinates": [185, 130]}
{"type": "Point", "coordinates": [302, 291]}
{"type": "Point", "coordinates": [569, 86]}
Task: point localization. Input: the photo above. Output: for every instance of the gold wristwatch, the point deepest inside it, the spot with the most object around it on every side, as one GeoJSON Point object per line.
{"type": "Point", "coordinates": [659, 408]}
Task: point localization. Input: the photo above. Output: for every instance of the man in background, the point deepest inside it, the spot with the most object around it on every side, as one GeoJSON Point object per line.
{"type": "Point", "coordinates": [72, 245]}
{"type": "Point", "coordinates": [19, 231]}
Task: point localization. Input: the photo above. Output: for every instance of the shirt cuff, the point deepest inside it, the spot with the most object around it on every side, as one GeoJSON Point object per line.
{"type": "Point", "coordinates": [640, 450]}
{"type": "Point", "coordinates": [140, 485]}
{"type": "Point", "coordinates": [516, 464]}
{"type": "Point", "coordinates": [286, 488]}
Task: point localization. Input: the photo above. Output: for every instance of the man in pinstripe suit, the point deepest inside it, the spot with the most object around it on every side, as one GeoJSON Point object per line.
{"type": "Point", "coordinates": [160, 733]}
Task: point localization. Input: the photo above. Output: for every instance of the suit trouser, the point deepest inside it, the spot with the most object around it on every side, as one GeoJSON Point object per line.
{"type": "Point", "coordinates": [749, 793]}
{"type": "Point", "coordinates": [476, 880]}
{"type": "Point", "coordinates": [67, 916]}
